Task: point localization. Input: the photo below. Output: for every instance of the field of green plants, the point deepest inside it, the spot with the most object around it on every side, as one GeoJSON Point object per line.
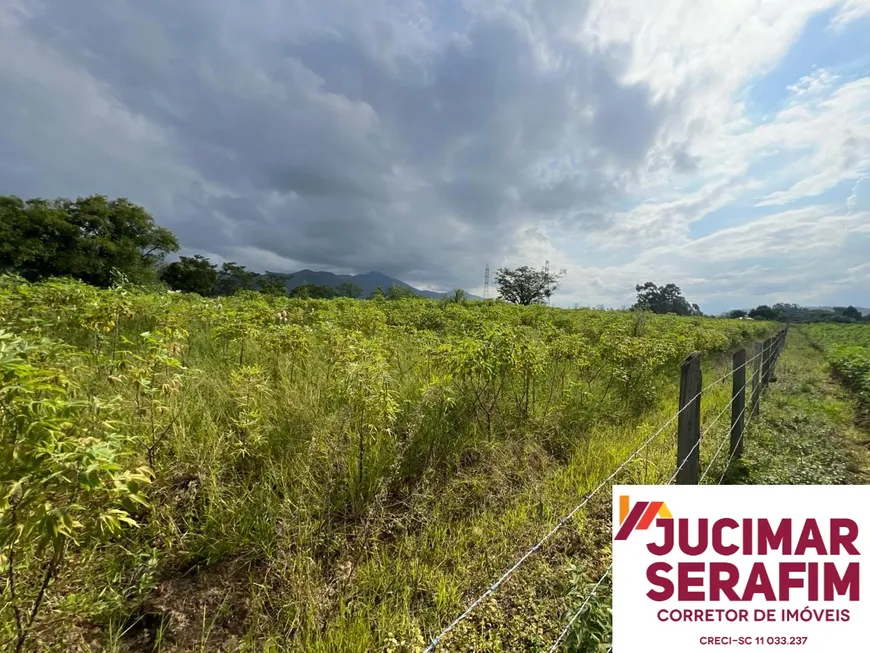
{"type": "Point", "coordinates": [847, 346]}
{"type": "Point", "coordinates": [262, 473]}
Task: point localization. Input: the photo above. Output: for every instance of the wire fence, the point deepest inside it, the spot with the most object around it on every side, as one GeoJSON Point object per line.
{"type": "Point", "coordinates": [571, 621]}
{"type": "Point", "coordinates": [764, 359]}
{"type": "Point", "coordinates": [731, 457]}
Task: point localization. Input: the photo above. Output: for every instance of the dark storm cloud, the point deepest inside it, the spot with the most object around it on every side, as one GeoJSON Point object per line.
{"type": "Point", "coordinates": [410, 138]}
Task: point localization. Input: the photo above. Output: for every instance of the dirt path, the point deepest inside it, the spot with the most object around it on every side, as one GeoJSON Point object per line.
{"type": "Point", "coordinates": [806, 432]}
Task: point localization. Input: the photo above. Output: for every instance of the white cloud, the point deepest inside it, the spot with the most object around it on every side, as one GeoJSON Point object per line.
{"type": "Point", "coordinates": [815, 82]}
{"type": "Point", "coordinates": [836, 129]}
{"type": "Point", "coordinates": [657, 222]}
{"type": "Point", "coordinates": [701, 52]}
{"type": "Point", "coordinates": [860, 197]}
{"type": "Point", "coordinates": [850, 11]}
{"type": "Point", "coordinates": [424, 138]}
{"type": "Point", "coordinates": [788, 256]}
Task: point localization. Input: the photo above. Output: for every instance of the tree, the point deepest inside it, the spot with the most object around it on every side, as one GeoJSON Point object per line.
{"type": "Point", "coordinates": [234, 277]}
{"type": "Point", "coordinates": [525, 285]}
{"type": "Point", "coordinates": [348, 289]}
{"type": "Point", "coordinates": [312, 291]}
{"type": "Point", "coordinates": [458, 296]}
{"type": "Point", "coordinates": [89, 239]}
{"type": "Point", "coordinates": [274, 283]}
{"type": "Point", "coordinates": [737, 313]}
{"type": "Point", "coordinates": [664, 299]}
{"type": "Point", "coordinates": [377, 293]}
{"type": "Point", "coordinates": [852, 312]}
{"type": "Point", "coordinates": [764, 312]}
{"type": "Point", "coordinates": [399, 292]}
{"type": "Point", "coordinates": [194, 274]}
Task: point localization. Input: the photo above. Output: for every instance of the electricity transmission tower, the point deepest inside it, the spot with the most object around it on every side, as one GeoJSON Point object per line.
{"type": "Point", "coordinates": [547, 273]}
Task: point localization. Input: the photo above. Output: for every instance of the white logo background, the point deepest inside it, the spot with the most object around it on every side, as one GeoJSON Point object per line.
{"type": "Point", "coordinates": [636, 627]}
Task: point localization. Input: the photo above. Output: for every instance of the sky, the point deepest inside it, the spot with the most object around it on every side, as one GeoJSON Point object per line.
{"type": "Point", "coordinates": [721, 146]}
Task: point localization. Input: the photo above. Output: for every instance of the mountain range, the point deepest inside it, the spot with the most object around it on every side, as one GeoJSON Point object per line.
{"type": "Point", "coordinates": [368, 282]}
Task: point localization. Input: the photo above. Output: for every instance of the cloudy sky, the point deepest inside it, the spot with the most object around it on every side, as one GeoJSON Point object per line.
{"type": "Point", "coordinates": [723, 146]}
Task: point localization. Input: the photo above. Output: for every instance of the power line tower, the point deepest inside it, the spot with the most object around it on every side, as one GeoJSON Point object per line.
{"type": "Point", "coordinates": [547, 273]}
{"type": "Point", "coordinates": [486, 282]}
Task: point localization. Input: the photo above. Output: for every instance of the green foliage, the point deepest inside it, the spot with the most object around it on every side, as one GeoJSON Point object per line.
{"type": "Point", "coordinates": [664, 299]}
{"type": "Point", "coordinates": [806, 432]}
{"type": "Point", "coordinates": [67, 471]}
{"type": "Point", "coordinates": [591, 631]}
{"type": "Point", "coordinates": [764, 312]}
{"type": "Point", "coordinates": [348, 289]}
{"type": "Point", "coordinates": [458, 296]}
{"type": "Point", "coordinates": [353, 459]}
{"type": "Point", "coordinates": [848, 349]}
{"type": "Point", "coordinates": [525, 285]}
{"type": "Point", "coordinates": [312, 291]}
{"type": "Point", "coordinates": [400, 292]}
{"type": "Point", "coordinates": [274, 283]}
{"type": "Point", "coordinates": [793, 313]}
{"type": "Point", "coordinates": [233, 278]}
{"type": "Point", "coordinates": [87, 239]}
{"type": "Point", "coordinates": [191, 274]}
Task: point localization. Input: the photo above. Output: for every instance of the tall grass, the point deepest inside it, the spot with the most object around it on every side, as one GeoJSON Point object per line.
{"type": "Point", "coordinates": [343, 475]}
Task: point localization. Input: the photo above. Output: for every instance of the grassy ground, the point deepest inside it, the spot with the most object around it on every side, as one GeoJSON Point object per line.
{"type": "Point", "coordinates": [326, 476]}
{"type": "Point", "coordinates": [347, 476]}
{"type": "Point", "coordinates": [807, 431]}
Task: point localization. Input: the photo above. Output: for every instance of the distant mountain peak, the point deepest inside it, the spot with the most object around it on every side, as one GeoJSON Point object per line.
{"type": "Point", "coordinates": [368, 282]}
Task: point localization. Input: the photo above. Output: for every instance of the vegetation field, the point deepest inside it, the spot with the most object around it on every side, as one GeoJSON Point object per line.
{"type": "Point", "coordinates": [264, 473]}
{"type": "Point", "coordinates": [806, 432]}
{"type": "Point", "coordinates": [847, 346]}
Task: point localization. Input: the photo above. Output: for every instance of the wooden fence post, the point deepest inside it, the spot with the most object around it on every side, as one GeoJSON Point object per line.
{"type": "Point", "coordinates": [780, 343]}
{"type": "Point", "coordinates": [738, 402]}
{"type": "Point", "coordinates": [689, 427]}
{"type": "Point", "coordinates": [782, 337]}
{"type": "Point", "coordinates": [756, 378]}
{"type": "Point", "coordinates": [767, 350]}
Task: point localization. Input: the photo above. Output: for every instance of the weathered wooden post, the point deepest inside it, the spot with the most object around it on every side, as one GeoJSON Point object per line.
{"type": "Point", "coordinates": [780, 343]}
{"type": "Point", "coordinates": [689, 425]}
{"type": "Point", "coordinates": [767, 351]}
{"type": "Point", "coordinates": [738, 402]}
{"type": "Point", "coordinates": [756, 378]}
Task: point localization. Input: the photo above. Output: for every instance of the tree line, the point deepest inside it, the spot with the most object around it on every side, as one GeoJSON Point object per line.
{"type": "Point", "coordinates": [100, 240]}
{"type": "Point", "coordinates": [802, 314]}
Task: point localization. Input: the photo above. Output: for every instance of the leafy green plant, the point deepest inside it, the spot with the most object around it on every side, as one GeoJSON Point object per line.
{"type": "Point", "coordinates": [247, 388]}
{"type": "Point", "coordinates": [151, 371]}
{"type": "Point", "coordinates": [372, 463]}
{"type": "Point", "coordinates": [589, 607]}
{"type": "Point", "coordinates": [64, 477]}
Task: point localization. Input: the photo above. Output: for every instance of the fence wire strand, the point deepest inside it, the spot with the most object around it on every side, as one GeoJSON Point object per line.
{"type": "Point", "coordinates": [701, 437]}
{"type": "Point", "coordinates": [492, 588]}
{"type": "Point", "coordinates": [729, 374]}
{"type": "Point", "coordinates": [721, 446]}
{"type": "Point", "coordinates": [582, 607]}
{"type": "Point", "coordinates": [727, 464]}
{"type": "Point", "coordinates": [739, 440]}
